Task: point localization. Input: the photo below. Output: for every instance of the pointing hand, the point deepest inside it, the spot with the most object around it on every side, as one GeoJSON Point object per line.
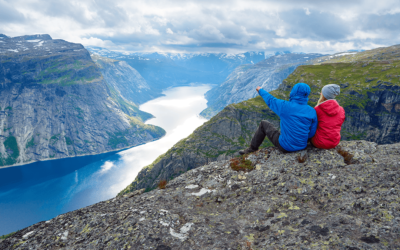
{"type": "Point", "coordinates": [258, 88]}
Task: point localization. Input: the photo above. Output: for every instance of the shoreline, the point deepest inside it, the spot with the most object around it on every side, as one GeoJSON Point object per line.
{"type": "Point", "coordinates": [77, 156]}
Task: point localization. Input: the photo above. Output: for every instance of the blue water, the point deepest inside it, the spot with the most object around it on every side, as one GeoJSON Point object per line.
{"type": "Point", "coordinates": [42, 190]}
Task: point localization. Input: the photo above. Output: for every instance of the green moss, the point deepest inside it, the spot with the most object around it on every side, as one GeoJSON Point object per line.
{"type": "Point", "coordinates": [266, 143]}
{"type": "Point", "coordinates": [242, 141]}
{"type": "Point", "coordinates": [30, 143]}
{"type": "Point", "coordinates": [11, 145]}
{"type": "Point", "coordinates": [7, 129]}
{"type": "Point", "coordinates": [117, 138]}
{"type": "Point", "coordinates": [358, 136]}
{"type": "Point", "coordinates": [19, 243]}
{"type": "Point", "coordinates": [66, 73]}
{"type": "Point", "coordinates": [148, 189]}
{"type": "Point", "coordinates": [54, 139]}
{"type": "Point", "coordinates": [68, 141]}
{"type": "Point", "coordinates": [7, 235]}
{"type": "Point", "coordinates": [154, 131]}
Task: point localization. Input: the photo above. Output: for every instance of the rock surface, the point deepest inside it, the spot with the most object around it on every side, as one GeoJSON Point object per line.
{"type": "Point", "coordinates": [241, 84]}
{"type": "Point", "coordinates": [55, 103]}
{"type": "Point", "coordinates": [284, 203]}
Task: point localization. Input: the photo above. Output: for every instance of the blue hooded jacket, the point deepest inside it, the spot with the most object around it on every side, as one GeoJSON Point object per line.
{"type": "Point", "coordinates": [298, 120]}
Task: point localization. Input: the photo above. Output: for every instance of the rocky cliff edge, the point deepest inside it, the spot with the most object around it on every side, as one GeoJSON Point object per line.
{"type": "Point", "coordinates": [343, 198]}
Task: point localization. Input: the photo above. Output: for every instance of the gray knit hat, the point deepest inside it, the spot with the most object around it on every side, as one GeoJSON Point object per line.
{"type": "Point", "coordinates": [330, 91]}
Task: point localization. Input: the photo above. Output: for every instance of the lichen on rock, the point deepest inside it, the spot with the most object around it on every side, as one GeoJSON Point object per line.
{"type": "Point", "coordinates": [321, 203]}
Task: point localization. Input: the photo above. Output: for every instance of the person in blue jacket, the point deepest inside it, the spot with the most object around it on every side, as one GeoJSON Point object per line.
{"type": "Point", "coordinates": [298, 121]}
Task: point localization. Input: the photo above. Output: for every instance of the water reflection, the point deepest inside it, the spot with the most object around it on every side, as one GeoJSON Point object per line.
{"type": "Point", "coordinates": [41, 191]}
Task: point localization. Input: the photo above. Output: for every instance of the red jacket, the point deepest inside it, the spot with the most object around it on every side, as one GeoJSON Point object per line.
{"type": "Point", "coordinates": [330, 119]}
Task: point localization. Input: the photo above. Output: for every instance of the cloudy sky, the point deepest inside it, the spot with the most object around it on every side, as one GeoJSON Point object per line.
{"type": "Point", "coordinates": [209, 25]}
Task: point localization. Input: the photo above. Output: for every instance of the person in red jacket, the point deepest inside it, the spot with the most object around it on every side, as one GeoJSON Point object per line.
{"type": "Point", "coordinates": [330, 118]}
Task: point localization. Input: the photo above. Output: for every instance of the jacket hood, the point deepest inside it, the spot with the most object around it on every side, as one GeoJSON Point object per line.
{"type": "Point", "coordinates": [330, 107]}
{"type": "Point", "coordinates": [300, 93]}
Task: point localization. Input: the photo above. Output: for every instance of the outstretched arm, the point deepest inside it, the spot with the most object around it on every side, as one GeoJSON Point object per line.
{"type": "Point", "coordinates": [273, 103]}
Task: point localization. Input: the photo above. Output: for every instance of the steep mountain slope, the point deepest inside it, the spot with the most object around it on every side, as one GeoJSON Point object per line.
{"type": "Point", "coordinates": [370, 91]}
{"type": "Point", "coordinates": [163, 70]}
{"type": "Point", "coordinates": [321, 203]}
{"type": "Point", "coordinates": [370, 96]}
{"type": "Point", "coordinates": [242, 82]}
{"type": "Point", "coordinates": [55, 103]}
{"type": "Point", "coordinates": [125, 80]}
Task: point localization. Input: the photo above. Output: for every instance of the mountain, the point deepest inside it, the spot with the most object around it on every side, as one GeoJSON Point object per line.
{"type": "Point", "coordinates": [125, 80]}
{"type": "Point", "coordinates": [240, 85]}
{"type": "Point", "coordinates": [370, 95]}
{"type": "Point", "coordinates": [313, 199]}
{"type": "Point", "coordinates": [370, 91]}
{"type": "Point", "coordinates": [55, 103]}
{"type": "Point", "coordinates": [163, 70]}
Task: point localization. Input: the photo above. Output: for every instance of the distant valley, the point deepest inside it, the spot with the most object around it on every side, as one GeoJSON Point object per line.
{"type": "Point", "coordinates": [163, 70]}
{"type": "Point", "coordinates": [235, 76]}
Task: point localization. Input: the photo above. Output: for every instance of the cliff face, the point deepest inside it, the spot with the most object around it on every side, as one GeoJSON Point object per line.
{"type": "Point", "coordinates": [242, 82]}
{"type": "Point", "coordinates": [321, 203]}
{"type": "Point", "coordinates": [125, 80]}
{"type": "Point", "coordinates": [369, 94]}
{"type": "Point", "coordinates": [55, 103]}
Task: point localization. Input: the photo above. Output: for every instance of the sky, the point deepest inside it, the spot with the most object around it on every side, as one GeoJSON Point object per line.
{"type": "Point", "coordinates": [229, 26]}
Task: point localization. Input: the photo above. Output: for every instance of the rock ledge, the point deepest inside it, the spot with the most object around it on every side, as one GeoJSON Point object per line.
{"type": "Point", "coordinates": [322, 203]}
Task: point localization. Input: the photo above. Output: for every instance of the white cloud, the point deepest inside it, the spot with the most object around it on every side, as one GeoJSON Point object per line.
{"type": "Point", "coordinates": [196, 26]}
{"type": "Point", "coordinates": [93, 41]}
{"type": "Point", "coordinates": [359, 34]}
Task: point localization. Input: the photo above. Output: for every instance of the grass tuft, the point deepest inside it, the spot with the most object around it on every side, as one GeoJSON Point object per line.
{"type": "Point", "coordinates": [346, 155]}
{"type": "Point", "coordinates": [7, 235]}
{"type": "Point", "coordinates": [241, 164]}
{"type": "Point", "coordinates": [162, 184]}
{"type": "Point", "coordinates": [301, 159]}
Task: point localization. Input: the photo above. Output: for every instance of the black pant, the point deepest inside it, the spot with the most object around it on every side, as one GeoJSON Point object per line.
{"type": "Point", "coordinates": [266, 129]}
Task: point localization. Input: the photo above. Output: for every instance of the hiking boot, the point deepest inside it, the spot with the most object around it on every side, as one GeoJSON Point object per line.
{"type": "Point", "coordinates": [247, 151]}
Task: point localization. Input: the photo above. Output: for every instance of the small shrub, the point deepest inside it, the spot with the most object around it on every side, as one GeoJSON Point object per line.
{"type": "Point", "coordinates": [241, 164]}
{"type": "Point", "coordinates": [346, 155]}
{"type": "Point", "coordinates": [248, 245]}
{"type": "Point", "coordinates": [301, 159]}
{"type": "Point", "coordinates": [162, 184]}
